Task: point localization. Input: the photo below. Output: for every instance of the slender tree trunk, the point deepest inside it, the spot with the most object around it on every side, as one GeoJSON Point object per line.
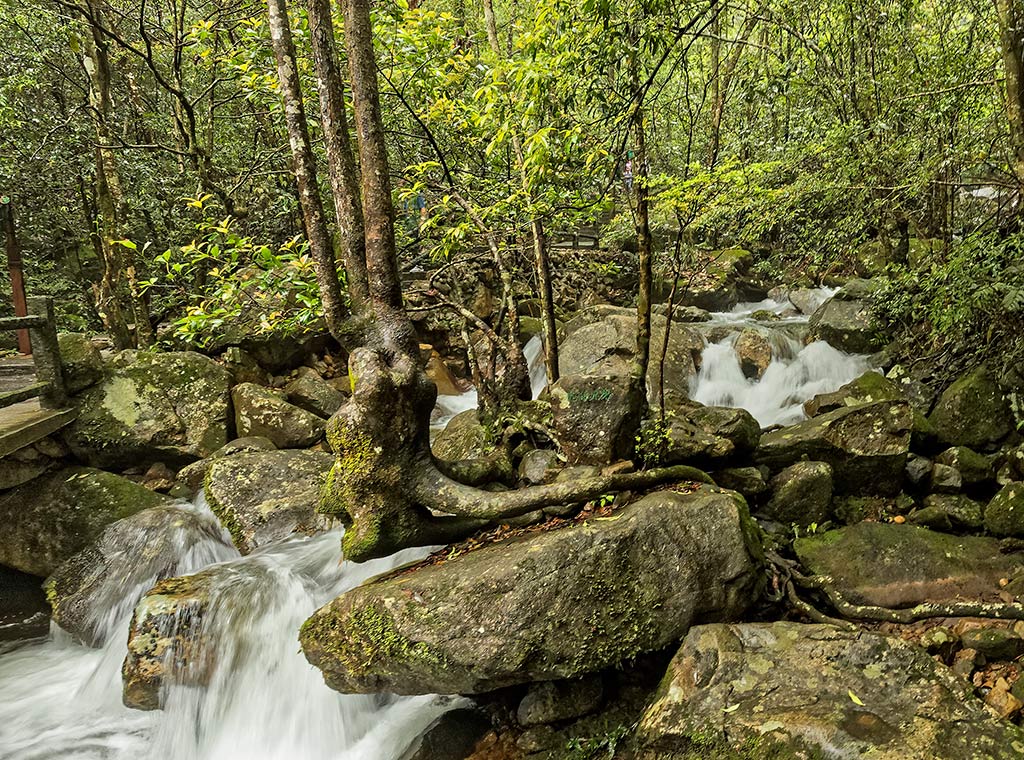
{"type": "Point", "coordinates": [341, 163]}
{"type": "Point", "coordinates": [541, 260]}
{"type": "Point", "coordinates": [645, 255]}
{"type": "Point", "coordinates": [304, 168]}
{"type": "Point", "coordinates": [1011, 36]}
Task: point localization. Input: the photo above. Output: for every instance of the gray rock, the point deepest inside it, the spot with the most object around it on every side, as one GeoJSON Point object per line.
{"type": "Point", "coordinates": [264, 496]}
{"type": "Point", "coordinates": [903, 565]}
{"type": "Point", "coordinates": [80, 360]}
{"type": "Point", "coordinates": [917, 470]}
{"type": "Point", "coordinates": [946, 511]}
{"type": "Point", "coordinates": [973, 467]}
{"type": "Point", "coordinates": [994, 643]}
{"type": "Point", "coordinates": [191, 477]}
{"type": "Point", "coordinates": [131, 554]}
{"type": "Point", "coordinates": [816, 691]}
{"type": "Point", "coordinates": [801, 494]}
{"type": "Point", "coordinates": [538, 466]}
{"type": "Point", "coordinates": [311, 392]}
{"type": "Point", "coordinates": [493, 617]}
{"type": "Point", "coordinates": [866, 445]}
{"type": "Point", "coordinates": [704, 435]}
{"type": "Point", "coordinates": [871, 386]}
{"type": "Point", "coordinates": [944, 479]}
{"type": "Point", "coordinates": [806, 300]}
{"type": "Point", "coordinates": [1004, 515]}
{"type": "Point", "coordinates": [462, 438]}
{"type": "Point", "coordinates": [754, 353]}
{"type": "Point", "coordinates": [847, 325]}
{"type": "Point", "coordinates": [594, 418]}
{"type": "Point", "coordinates": [749, 481]}
{"type": "Point", "coordinates": [152, 407]}
{"type": "Point", "coordinates": [972, 412]}
{"type": "Point", "coordinates": [453, 736]}
{"type": "Point", "coordinates": [554, 701]}
{"type": "Point", "coordinates": [263, 412]}
{"type": "Point", "coordinates": [50, 519]}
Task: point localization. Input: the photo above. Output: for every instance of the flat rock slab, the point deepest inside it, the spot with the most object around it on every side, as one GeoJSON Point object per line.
{"type": "Point", "coordinates": [904, 565]}
{"type": "Point", "coordinates": [550, 605]}
{"type": "Point", "coordinates": [817, 691]}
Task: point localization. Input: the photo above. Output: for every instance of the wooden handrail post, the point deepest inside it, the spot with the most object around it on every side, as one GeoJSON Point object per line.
{"type": "Point", "coordinates": [14, 265]}
{"type": "Point", "coordinates": [46, 354]}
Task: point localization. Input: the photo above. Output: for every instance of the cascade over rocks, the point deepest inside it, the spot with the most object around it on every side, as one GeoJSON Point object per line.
{"type": "Point", "coordinates": [134, 552]}
{"type": "Point", "coordinates": [866, 445]}
{"type": "Point", "coordinates": [263, 412]}
{"type": "Point", "coordinates": [551, 605]}
{"type": "Point", "coordinates": [846, 322]}
{"type": "Point", "coordinates": [263, 496]}
{"type": "Point", "coordinates": [903, 565]}
{"type": "Point", "coordinates": [152, 407]}
{"type": "Point", "coordinates": [50, 519]}
{"type": "Point", "coordinates": [816, 691]}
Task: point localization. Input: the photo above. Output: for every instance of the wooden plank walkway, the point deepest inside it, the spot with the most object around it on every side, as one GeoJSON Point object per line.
{"type": "Point", "coordinates": [25, 422]}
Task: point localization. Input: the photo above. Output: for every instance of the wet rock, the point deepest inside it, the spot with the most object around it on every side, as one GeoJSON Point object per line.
{"type": "Point", "coordinates": [903, 565]}
{"type": "Point", "coordinates": [191, 477]}
{"type": "Point", "coordinates": [949, 511]}
{"type": "Point", "coordinates": [702, 435]}
{"type": "Point", "coordinates": [554, 701]}
{"type": "Point", "coordinates": [594, 418]}
{"type": "Point", "coordinates": [847, 324]}
{"type": "Point", "coordinates": [866, 445]}
{"type": "Point", "coordinates": [973, 467]}
{"type": "Point", "coordinates": [152, 407]}
{"type": "Point", "coordinates": [602, 342]}
{"type": "Point", "coordinates": [538, 466]}
{"type": "Point", "coordinates": [749, 481]}
{"type": "Point", "coordinates": [263, 412]}
{"type": "Point", "coordinates": [453, 736]}
{"type": "Point", "coordinates": [1004, 515]}
{"type": "Point", "coordinates": [462, 438]}
{"type": "Point", "coordinates": [264, 496]}
{"type": "Point", "coordinates": [806, 300]}
{"type": "Point", "coordinates": [50, 519]}
{"type": "Point", "coordinates": [871, 386]}
{"type": "Point", "coordinates": [439, 373]}
{"type": "Point", "coordinates": [493, 617]}
{"type": "Point", "coordinates": [815, 690]}
{"type": "Point", "coordinates": [311, 392]}
{"type": "Point", "coordinates": [801, 494]}
{"type": "Point", "coordinates": [14, 473]}
{"type": "Point", "coordinates": [972, 412]}
{"type": "Point", "coordinates": [80, 360]}
{"type": "Point", "coordinates": [754, 353]}
{"type": "Point", "coordinates": [684, 314]}
{"type": "Point", "coordinates": [132, 553]}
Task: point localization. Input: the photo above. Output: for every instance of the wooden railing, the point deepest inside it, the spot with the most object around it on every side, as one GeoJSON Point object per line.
{"type": "Point", "coordinates": [49, 387]}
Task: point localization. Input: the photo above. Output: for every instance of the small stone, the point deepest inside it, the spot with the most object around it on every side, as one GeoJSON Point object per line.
{"type": "Point", "coordinates": [941, 641]}
{"type": "Point", "coordinates": [972, 466]}
{"type": "Point", "coordinates": [539, 739]}
{"type": "Point", "coordinates": [553, 701]}
{"type": "Point", "coordinates": [994, 643]}
{"type": "Point", "coordinates": [918, 469]}
{"type": "Point", "coordinates": [1004, 515]}
{"type": "Point", "coordinates": [538, 466]}
{"type": "Point", "coordinates": [965, 661]}
{"type": "Point", "coordinates": [1002, 700]}
{"type": "Point", "coordinates": [801, 494]}
{"type": "Point", "coordinates": [749, 481]}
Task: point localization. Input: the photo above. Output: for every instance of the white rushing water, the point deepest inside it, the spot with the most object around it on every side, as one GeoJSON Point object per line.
{"type": "Point", "coordinates": [796, 374]}
{"type": "Point", "coordinates": [59, 699]}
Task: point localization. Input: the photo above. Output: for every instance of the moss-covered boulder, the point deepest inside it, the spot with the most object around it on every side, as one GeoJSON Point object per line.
{"type": "Point", "coordinates": [871, 386]}
{"type": "Point", "coordinates": [462, 438]}
{"type": "Point", "coordinates": [701, 435]}
{"type": "Point", "coordinates": [80, 360]}
{"type": "Point", "coordinates": [972, 412]}
{"type": "Point", "coordinates": [801, 494]}
{"type": "Point", "coordinates": [1004, 515]}
{"type": "Point", "coordinates": [724, 281]}
{"type": "Point", "coordinates": [153, 407]}
{"type": "Point", "coordinates": [904, 565]}
{"type": "Point", "coordinates": [130, 554]}
{"type": "Point", "coordinates": [786, 690]}
{"type": "Point", "coordinates": [50, 519]}
{"type": "Point", "coordinates": [948, 512]}
{"type": "Point", "coordinates": [551, 605]}
{"type": "Point", "coordinates": [594, 418]}
{"type": "Point", "coordinates": [974, 468]}
{"type": "Point", "coordinates": [263, 496]}
{"type": "Point", "coordinates": [847, 324]}
{"type": "Point", "coordinates": [602, 342]}
{"type": "Point", "coordinates": [311, 392]}
{"type": "Point", "coordinates": [866, 445]}
{"type": "Point", "coordinates": [265, 413]}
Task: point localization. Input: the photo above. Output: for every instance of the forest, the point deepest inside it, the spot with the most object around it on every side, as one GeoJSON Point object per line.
{"type": "Point", "coordinates": [450, 379]}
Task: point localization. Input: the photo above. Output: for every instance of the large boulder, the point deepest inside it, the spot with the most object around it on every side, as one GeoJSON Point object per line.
{"type": "Point", "coordinates": [871, 386]}
{"type": "Point", "coordinates": [81, 363]}
{"type": "Point", "coordinates": [50, 519]}
{"type": "Point", "coordinates": [790, 690]}
{"type": "Point", "coordinates": [866, 445]}
{"type": "Point", "coordinates": [847, 323]}
{"type": "Point", "coordinates": [972, 412]}
{"type": "Point", "coordinates": [722, 282]}
{"type": "Point", "coordinates": [807, 300]}
{"type": "Point", "coordinates": [552, 605]}
{"type": "Point", "coordinates": [903, 565]}
{"type": "Point", "coordinates": [594, 418]}
{"type": "Point", "coordinates": [463, 437]}
{"type": "Point", "coordinates": [262, 412]}
{"type": "Point", "coordinates": [602, 341]}
{"type": "Point", "coordinates": [153, 407]}
{"type": "Point", "coordinates": [263, 496]}
{"type": "Point", "coordinates": [311, 392]}
{"type": "Point", "coordinates": [132, 553]}
{"type": "Point", "coordinates": [1004, 515]}
{"type": "Point", "coordinates": [702, 435]}
{"type": "Point", "coordinates": [754, 352]}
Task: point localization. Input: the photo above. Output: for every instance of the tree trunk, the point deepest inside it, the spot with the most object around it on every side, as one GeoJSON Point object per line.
{"type": "Point", "coordinates": [341, 163]}
{"type": "Point", "coordinates": [304, 168]}
{"type": "Point", "coordinates": [1011, 36]}
{"type": "Point", "coordinates": [386, 486]}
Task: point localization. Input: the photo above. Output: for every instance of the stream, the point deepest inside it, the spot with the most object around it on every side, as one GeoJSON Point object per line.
{"type": "Point", "coordinates": [59, 699]}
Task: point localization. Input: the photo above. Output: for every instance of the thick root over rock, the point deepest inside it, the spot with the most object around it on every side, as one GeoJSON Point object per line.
{"type": "Point", "coordinates": [386, 487]}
